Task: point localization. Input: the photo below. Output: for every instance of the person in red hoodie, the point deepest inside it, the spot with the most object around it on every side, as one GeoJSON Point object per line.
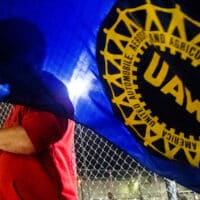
{"type": "Point", "coordinates": [37, 158]}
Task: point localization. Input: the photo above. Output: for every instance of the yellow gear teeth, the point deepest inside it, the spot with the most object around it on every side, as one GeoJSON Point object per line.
{"type": "Point", "coordinates": [162, 48]}
{"type": "Point", "coordinates": [142, 104]}
{"type": "Point", "coordinates": [163, 125]}
{"type": "Point", "coordinates": [162, 39]}
{"type": "Point", "coordinates": [148, 111]}
{"type": "Point", "coordinates": [191, 138]}
{"type": "Point", "coordinates": [135, 69]}
{"type": "Point", "coordinates": [196, 63]}
{"type": "Point", "coordinates": [173, 51]}
{"type": "Point", "coordinates": [172, 130]}
{"type": "Point", "coordinates": [118, 10]}
{"type": "Point", "coordinates": [105, 30]}
{"type": "Point", "coordinates": [145, 45]}
{"type": "Point", "coordinates": [156, 118]}
{"type": "Point", "coordinates": [141, 52]}
{"type": "Point", "coordinates": [137, 60]}
{"type": "Point", "coordinates": [181, 135]}
{"type": "Point", "coordinates": [184, 56]}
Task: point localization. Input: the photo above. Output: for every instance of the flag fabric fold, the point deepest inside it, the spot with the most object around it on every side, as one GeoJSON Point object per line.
{"type": "Point", "coordinates": [76, 34]}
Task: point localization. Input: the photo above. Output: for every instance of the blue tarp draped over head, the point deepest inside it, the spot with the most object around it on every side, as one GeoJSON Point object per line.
{"type": "Point", "coordinates": [70, 30]}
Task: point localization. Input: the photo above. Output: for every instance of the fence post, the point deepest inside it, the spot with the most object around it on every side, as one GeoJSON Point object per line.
{"type": "Point", "coordinates": [171, 189]}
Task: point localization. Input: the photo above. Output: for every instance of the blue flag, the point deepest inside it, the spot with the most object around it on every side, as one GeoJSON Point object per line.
{"type": "Point", "coordinates": [131, 69]}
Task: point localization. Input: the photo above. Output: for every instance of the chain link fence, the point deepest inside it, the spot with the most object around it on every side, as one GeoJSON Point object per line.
{"type": "Point", "coordinates": [107, 173]}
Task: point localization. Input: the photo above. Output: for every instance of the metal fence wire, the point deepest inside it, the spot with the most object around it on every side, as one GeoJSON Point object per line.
{"type": "Point", "coordinates": [107, 173]}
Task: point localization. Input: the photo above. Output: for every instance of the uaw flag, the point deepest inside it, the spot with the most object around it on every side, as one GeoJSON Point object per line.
{"type": "Point", "coordinates": [131, 69]}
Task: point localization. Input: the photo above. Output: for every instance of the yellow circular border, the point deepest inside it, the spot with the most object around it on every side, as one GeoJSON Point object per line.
{"type": "Point", "coordinates": [129, 60]}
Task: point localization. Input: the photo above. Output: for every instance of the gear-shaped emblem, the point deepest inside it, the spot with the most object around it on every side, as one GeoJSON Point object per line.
{"type": "Point", "coordinates": [154, 94]}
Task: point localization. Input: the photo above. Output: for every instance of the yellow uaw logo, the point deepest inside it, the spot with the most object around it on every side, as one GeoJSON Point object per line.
{"type": "Point", "coordinates": [126, 61]}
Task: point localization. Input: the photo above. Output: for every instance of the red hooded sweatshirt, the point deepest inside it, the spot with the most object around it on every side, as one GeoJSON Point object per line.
{"type": "Point", "coordinates": [50, 174]}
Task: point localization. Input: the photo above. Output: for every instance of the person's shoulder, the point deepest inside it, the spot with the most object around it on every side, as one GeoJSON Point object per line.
{"type": "Point", "coordinates": [20, 109]}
